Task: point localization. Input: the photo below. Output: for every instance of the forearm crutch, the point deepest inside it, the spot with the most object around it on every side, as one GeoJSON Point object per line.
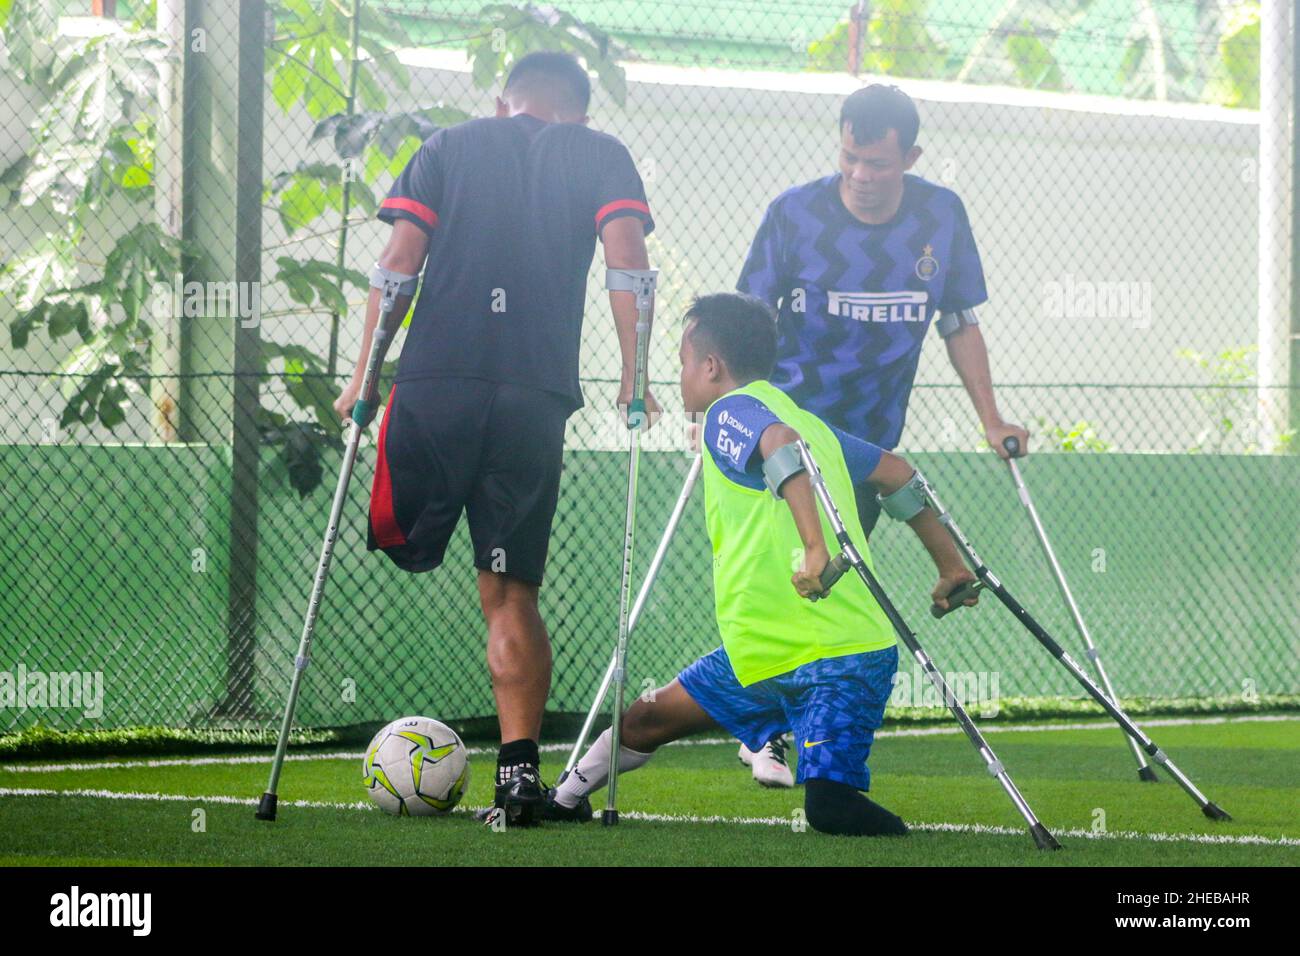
{"type": "Point", "coordinates": [849, 556]}
{"type": "Point", "coordinates": [1012, 445]}
{"type": "Point", "coordinates": [991, 582]}
{"type": "Point", "coordinates": [673, 520]}
{"type": "Point", "coordinates": [641, 283]}
{"type": "Point", "coordinates": [391, 285]}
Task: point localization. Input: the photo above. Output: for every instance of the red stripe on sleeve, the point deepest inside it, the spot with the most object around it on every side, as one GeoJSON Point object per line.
{"type": "Point", "coordinates": [426, 215]}
{"type": "Point", "coordinates": [618, 204]}
{"type": "Point", "coordinates": [383, 520]}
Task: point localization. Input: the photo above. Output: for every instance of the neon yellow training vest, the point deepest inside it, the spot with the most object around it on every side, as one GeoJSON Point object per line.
{"type": "Point", "coordinates": [767, 628]}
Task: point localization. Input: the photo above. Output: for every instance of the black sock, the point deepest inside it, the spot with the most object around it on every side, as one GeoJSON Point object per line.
{"type": "Point", "coordinates": [514, 754]}
{"type": "Point", "coordinates": [838, 808]}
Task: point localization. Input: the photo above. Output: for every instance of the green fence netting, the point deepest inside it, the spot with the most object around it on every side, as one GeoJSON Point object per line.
{"type": "Point", "coordinates": [166, 471]}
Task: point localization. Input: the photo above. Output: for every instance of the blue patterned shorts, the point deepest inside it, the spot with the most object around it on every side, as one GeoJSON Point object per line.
{"type": "Point", "coordinates": [833, 706]}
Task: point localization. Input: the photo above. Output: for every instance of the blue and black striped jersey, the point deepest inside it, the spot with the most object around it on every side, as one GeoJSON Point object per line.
{"type": "Point", "coordinates": [854, 300]}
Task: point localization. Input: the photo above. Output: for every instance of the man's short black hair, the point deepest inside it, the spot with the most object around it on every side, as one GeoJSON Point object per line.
{"type": "Point", "coordinates": [739, 329]}
{"type": "Point", "coordinates": [876, 109]}
{"type": "Point", "coordinates": [557, 76]}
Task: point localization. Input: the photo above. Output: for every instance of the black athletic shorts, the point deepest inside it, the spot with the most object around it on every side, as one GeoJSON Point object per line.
{"type": "Point", "coordinates": [489, 449]}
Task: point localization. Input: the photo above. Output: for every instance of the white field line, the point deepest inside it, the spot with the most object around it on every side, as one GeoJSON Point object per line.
{"type": "Point", "coordinates": [776, 821]}
{"type": "Point", "coordinates": [696, 742]}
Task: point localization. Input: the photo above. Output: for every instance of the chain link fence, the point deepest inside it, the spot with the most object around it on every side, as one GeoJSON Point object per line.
{"type": "Point", "coordinates": [190, 192]}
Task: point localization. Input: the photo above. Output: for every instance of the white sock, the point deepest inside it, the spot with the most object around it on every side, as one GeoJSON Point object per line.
{"type": "Point", "coordinates": [592, 771]}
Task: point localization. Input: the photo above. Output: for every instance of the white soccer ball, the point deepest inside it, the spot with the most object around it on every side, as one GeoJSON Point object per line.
{"type": "Point", "coordinates": [416, 767]}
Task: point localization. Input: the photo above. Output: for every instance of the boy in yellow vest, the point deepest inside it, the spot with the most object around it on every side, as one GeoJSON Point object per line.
{"type": "Point", "coordinates": [824, 669]}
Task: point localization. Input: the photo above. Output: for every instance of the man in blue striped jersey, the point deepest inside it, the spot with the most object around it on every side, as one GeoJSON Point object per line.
{"type": "Point", "coordinates": [859, 264]}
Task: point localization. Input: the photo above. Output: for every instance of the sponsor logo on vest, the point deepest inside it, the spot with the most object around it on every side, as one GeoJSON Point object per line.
{"type": "Point", "coordinates": [725, 418]}
{"type": "Point", "coordinates": [879, 306]}
{"type": "Point", "coordinates": [729, 446]}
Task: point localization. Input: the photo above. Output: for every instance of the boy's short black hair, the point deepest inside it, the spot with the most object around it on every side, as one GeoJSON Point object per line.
{"type": "Point", "coordinates": [555, 75]}
{"type": "Point", "coordinates": [739, 329]}
{"type": "Point", "coordinates": [876, 109]}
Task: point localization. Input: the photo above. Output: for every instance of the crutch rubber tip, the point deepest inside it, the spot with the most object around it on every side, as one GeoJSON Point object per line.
{"type": "Point", "coordinates": [1147, 775]}
{"type": "Point", "coordinates": [609, 818]}
{"type": "Point", "coordinates": [1043, 838]}
{"type": "Point", "coordinates": [266, 807]}
{"type": "Point", "coordinates": [1215, 812]}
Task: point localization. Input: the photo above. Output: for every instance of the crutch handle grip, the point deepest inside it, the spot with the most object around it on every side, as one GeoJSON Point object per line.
{"type": "Point", "coordinates": [834, 570]}
{"type": "Point", "coordinates": [1012, 444]}
{"type": "Point", "coordinates": [957, 597]}
{"type": "Point", "coordinates": [636, 414]}
{"type": "Point", "coordinates": [364, 411]}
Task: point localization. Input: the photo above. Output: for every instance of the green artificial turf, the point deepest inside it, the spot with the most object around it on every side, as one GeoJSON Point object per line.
{"type": "Point", "coordinates": [695, 804]}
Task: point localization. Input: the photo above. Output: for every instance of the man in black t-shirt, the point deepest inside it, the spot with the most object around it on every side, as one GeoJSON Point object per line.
{"type": "Point", "coordinates": [507, 210]}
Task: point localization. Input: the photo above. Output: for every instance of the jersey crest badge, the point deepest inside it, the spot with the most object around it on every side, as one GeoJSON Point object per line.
{"type": "Point", "coordinates": [927, 265]}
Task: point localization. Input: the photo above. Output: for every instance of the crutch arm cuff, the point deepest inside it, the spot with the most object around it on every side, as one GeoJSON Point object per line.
{"type": "Point", "coordinates": [905, 503]}
{"type": "Point", "coordinates": [950, 322]}
{"type": "Point", "coordinates": [780, 466]}
{"type": "Point", "coordinates": [630, 280]}
{"type": "Point", "coordinates": [402, 283]}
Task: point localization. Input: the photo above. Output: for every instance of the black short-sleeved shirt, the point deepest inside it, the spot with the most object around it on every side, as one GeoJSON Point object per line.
{"type": "Point", "coordinates": [513, 207]}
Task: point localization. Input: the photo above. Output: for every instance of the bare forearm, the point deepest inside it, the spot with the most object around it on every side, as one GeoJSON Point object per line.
{"type": "Point", "coordinates": [400, 305]}
{"type": "Point", "coordinates": [624, 242]}
{"type": "Point", "coordinates": [934, 537]}
{"type": "Point", "coordinates": [405, 252]}
{"type": "Point", "coordinates": [797, 491]}
{"type": "Point", "coordinates": [891, 474]}
{"type": "Point", "coordinates": [969, 356]}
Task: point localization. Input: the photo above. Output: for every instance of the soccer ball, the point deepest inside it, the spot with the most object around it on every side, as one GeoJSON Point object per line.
{"type": "Point", "coordinates": [416, 767]}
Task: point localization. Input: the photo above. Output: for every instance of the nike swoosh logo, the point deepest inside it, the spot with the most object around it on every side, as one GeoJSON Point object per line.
{"type": "Point", "coordinates": [813, 743]}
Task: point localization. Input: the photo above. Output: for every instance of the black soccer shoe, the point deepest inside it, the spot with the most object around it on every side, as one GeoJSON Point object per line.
{"type": "Point", "coordinates": [550, 810]}
{"type": "Point", "coordinates": [519, 798]}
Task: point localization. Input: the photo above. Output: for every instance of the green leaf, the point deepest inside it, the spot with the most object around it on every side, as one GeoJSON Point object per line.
{"type": "Point", "coordinates": [1033, 61]}
{"type": "Point", "coordinates": [301, 203]}
{"type": "Point", "coordinates": [135, 177]}
{"type": "Point", "coordinates": [315, 278]}
{"type": "Point", "coordinates": [112, 406]}
{"type": "Point", "coordinates": [20, 329]}
{"type": "Point", "coordinates": [486, 65]}
{"type": "Point", "coordinates": [30, 32]}
{"type": "Point", "coordinates": [287, 82]}
{"type": "Point", "coordinates": [353, 133]}
{"type": "Point", "coordinates": [301, 456]}
{"type": "Point", "coordinates": [369, 92]}
{"type": "Point", "coordinates": [64, 317]}
{"type": "Point", "coordinates": [363, 198]}
{"type": "Point", "coordinates": [374, 24]}
{"type": "Point", "coordinates": [1134, 54]}
{"type": "Point", "coordinates": [1239, 56]}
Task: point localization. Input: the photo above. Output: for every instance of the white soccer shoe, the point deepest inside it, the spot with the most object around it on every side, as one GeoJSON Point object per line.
{"type": "Point", "coordinates": [768, 765]}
